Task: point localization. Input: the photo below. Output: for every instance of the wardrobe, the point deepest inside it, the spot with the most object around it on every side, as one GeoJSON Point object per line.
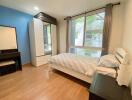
{"type": "Point", "coordinates": [43, 39]}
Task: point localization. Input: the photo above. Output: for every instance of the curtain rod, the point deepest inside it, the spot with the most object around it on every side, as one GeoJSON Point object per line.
{"type": "Point", "coordinates": [114, 4]}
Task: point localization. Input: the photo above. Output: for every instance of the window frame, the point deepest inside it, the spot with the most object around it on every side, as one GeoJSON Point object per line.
{"type": "Point", "coordinates": [84, 28]}
{"type": "Point", "coordinates": [70, 24]}
{"type": "Point", "coordinates": [85, 16]}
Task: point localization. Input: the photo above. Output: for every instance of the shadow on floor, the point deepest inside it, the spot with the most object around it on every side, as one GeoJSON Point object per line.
{"type": "Point", "coordinates": [83, 83]}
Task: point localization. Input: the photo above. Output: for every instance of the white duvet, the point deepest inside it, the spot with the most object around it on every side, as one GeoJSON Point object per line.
{"type": "Point", "coordinates": [82, 64]}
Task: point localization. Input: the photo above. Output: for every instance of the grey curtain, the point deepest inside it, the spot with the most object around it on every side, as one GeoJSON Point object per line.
{"type": "Point", "coordinates": [107, 28]}
{"type": "Point", "coordinates": [68, 19]}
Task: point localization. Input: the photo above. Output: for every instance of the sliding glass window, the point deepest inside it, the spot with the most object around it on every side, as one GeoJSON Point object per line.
{"type": "Point", "coordinates": [86, 34]}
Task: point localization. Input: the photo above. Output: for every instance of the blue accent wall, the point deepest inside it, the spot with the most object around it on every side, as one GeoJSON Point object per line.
{"type": "Point", "coordinates": [20, 20]}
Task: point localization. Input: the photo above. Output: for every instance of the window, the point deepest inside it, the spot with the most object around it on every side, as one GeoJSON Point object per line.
{"type": "Point", "coordinates": [77, 31]}
{"type": "Point", "coordinates": [47, 39]}
{"type": "Point", "coordinates": [94, 30]}
{"type": "Point", "coordinates": [86, 34]}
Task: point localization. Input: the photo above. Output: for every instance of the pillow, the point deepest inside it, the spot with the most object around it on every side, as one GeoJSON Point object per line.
{"type": "Point", "coordinates": [124, 75]}
{"type": "Point", "coordinates": [122, 56]}
{"type": "Point", "coordinates": [108, 61]}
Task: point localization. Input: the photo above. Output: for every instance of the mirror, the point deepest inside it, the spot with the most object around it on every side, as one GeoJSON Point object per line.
{"type": "Point", "coordinates": [7, 38]}
{"type": "Point", "coordinates": [47, 38]}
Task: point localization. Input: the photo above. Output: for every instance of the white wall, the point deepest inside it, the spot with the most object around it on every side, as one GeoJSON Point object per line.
{"type": "Point", "coordinates": [117, 27]}
{"type": "Point", "coordinates": [127, 32]}
{"type": "Point", "coordinates": [116, 33]}
{"type": "Point", "coordinates": [62, 36]}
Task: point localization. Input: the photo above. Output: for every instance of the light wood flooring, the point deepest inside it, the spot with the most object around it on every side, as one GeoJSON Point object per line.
{"type": "Point", "coordinates": [38, 84]}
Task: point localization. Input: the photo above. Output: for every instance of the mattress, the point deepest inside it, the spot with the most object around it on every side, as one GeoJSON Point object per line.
{"type": "Point", "coordinates": [82, 64]}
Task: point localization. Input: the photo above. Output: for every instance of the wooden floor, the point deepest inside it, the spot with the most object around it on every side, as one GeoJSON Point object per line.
{"type": "Point", "coordinates": [38, 84]}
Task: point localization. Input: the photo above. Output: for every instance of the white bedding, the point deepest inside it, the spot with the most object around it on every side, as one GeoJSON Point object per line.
{"type": "Point", "coordinates": [106, 71]}
{"type": "Point", "coordinates": [82, 64]}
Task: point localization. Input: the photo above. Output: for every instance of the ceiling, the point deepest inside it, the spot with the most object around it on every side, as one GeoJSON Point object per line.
{"type": "Point", "coordinates": [55, 8]}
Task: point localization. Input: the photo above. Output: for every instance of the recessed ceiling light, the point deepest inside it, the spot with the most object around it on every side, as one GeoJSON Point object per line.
{"type": "Point", "coordinates": [36, 8]}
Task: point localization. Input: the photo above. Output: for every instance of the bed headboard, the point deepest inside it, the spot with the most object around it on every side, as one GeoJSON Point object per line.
{"type": "Point", "coordinates": [121, 55]}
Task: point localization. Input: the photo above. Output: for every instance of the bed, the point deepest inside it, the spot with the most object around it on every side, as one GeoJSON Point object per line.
{"type": "Point", "coordinates": [81, 67]}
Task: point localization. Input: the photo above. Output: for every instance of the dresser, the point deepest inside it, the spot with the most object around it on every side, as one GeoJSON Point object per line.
{"type": "Point", "coordinates": [9, 56]}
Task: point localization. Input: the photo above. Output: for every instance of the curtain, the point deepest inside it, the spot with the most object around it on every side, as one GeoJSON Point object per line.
{"type": "Point", "coordinates": [68, 19]}
{"type": "Point", "coordinates": [107, 28]}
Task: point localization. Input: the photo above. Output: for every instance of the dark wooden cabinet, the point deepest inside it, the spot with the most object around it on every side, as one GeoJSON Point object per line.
{"type": "Point", "coordinates": [46, 18]}
{"type": "Point", "coordinates": [7, 55]}
{"type": "Point", "coordinates": [106, 88]}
